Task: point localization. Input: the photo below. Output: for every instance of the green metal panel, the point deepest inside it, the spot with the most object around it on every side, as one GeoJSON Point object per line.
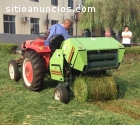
{"type": "Point", "coordinates": [56, 65]}
{"type": "Point", "coordinates": [70, 49]}
{"type": "Point", "coordinates": [81, 60]}
{"type": "Point", "coordinates": [99, 43]}
{"type": "Point", "coordinates": [66, 47]}
{"type": "Point", "coordinates": [121, 54]}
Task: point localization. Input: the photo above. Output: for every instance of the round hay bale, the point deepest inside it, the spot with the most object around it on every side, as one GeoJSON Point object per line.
{"type": "Point", "coordinates": [87, 88]}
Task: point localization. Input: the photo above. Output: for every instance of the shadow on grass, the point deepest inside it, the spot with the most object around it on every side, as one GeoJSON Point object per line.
{"type": "Point", "coordinates": [122, 86]}
{"type": "Point", "coordinates": [48, 83]}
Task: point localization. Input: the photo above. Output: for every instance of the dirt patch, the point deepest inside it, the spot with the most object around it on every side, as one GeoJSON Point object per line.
{"type": "Point", "coordinates": [129, 57]}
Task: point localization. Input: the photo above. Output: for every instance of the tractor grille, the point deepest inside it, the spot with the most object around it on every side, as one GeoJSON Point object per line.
{"type": "Point", "coordinates": [102, 60]}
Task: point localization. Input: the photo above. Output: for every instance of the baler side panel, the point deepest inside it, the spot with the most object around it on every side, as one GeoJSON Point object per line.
{"type": "Point", "coordinates": [70, 49]}
{"type": "Point", "coordinates": [81, 60]}
{"type": "Point", "coordinates": [56, 65]}
{"type": "Point", "coordinates": [121, 54]}
{"type": "Point", "coordinates": [66, 47]}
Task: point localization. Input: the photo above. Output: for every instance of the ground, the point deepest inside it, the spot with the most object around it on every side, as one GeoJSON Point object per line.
{"type": "Point", "coordinates": [19, 106]}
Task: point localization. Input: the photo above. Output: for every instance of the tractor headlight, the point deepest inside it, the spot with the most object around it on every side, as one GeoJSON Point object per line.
{"type": "Point", "coordinates": [41, 47]}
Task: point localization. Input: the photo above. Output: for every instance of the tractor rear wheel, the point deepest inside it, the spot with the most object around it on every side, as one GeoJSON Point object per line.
{"type": "Point", "coordinates": [13, 70]}
{"type": "Point", "coordinates": [32, 71]}
{"type": "Point", "coordinates": [61, 94]}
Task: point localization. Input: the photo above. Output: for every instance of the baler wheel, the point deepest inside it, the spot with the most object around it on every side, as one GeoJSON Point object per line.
{"type": "Point", "coordinates": [13, 70]}
{"type": "Point", "coordinates": [32, 71]}
{"type": "Point", "coordinates": [61, 94]}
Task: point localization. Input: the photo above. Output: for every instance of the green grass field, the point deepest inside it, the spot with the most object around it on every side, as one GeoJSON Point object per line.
{"type": "Point", "coordinates": [19, 106]}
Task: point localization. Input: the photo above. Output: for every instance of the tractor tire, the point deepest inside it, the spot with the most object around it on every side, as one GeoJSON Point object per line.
{"type": "Point", "coordinates": [13, 70]}
{"type": "Point", "coordinates": [32, 71]}
{"type": "Point", "coordinates": [61, 94]}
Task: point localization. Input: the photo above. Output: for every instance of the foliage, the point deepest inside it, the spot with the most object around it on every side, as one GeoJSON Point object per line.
{"type": "Point", "coordinates": [8, 47]}
{"type": "Point", "coordinates": [133, 49]}
{"type": "Point", "coordinates": [112, 13]}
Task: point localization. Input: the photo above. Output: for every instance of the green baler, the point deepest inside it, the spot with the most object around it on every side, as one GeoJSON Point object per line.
{"type": "Point", "coordinates": [78, 57]}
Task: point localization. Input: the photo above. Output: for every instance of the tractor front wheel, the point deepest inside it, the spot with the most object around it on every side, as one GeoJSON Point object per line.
{"type": "Point", "coordinates": [32, 71]}
{"type": "Point", "coordinates": [13, 70]}
{"type": "Point", "coordinates": [61, 94]}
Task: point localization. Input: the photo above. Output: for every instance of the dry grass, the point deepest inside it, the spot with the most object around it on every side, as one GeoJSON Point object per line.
{"type": "Point", "coordinates": [119, 108]}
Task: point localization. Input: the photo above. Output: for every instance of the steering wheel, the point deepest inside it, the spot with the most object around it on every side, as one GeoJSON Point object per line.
{"type": "Point", "coordinates": [43, 35]}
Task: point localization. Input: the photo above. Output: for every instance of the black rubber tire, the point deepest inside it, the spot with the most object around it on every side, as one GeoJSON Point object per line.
{"type": "Point", "coordinates": [38, 71]}
{"type": "Point", "coordinates": [16, 76]}
{"type": "Point", "coordinates": [64, 95]}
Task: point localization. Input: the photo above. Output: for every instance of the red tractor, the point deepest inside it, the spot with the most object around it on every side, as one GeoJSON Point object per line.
{"type": "Point", "coordinates": [34, 63]}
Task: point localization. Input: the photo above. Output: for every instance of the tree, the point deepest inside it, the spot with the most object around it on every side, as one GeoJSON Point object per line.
{"type": "Point", "coordinates": [112, 13]}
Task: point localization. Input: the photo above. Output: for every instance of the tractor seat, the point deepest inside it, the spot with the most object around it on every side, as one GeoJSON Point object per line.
{"type": "Point", "coordinates": [55, 42]}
